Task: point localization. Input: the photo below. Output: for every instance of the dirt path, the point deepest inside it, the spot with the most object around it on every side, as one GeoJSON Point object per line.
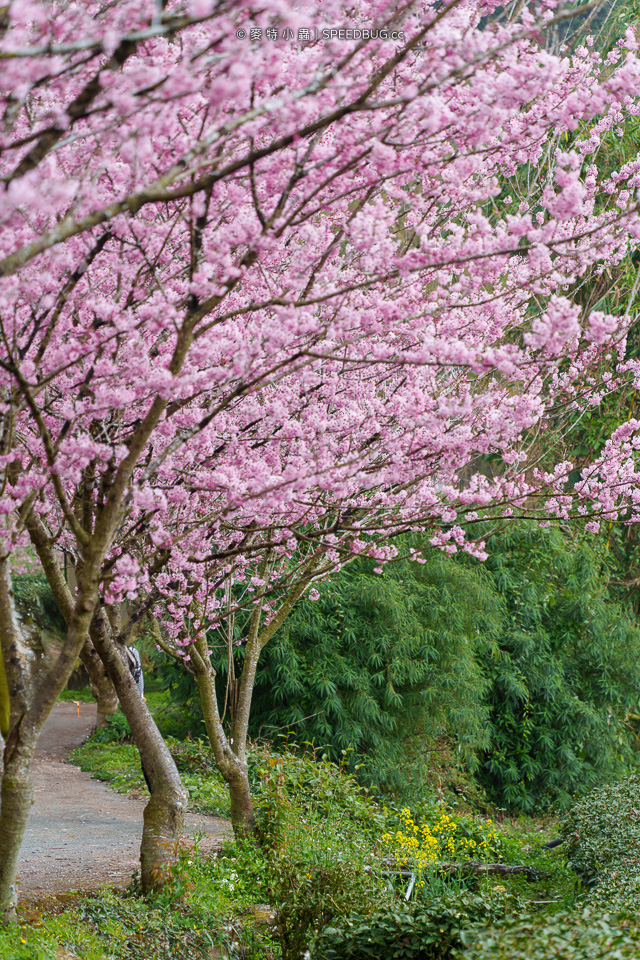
{"type": "Point", "coordinates": [80, 834]}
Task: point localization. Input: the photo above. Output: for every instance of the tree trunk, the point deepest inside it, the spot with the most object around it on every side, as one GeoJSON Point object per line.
{"type": "Point", "coordinates": [16, 790]}
{"type": "Point", "coordinates": [162, 830]}
{"type": "Point", "coordinates": [232, 767]}
{"type": "Point", "coordinates": [101, 685]}
{"type": "Point", "coordinates": [31, 704]}
{"type": "Point", "coordinates": [15, 804]}
{"type": "Point", "coordinates": [242, 816]}
{"type": "Point", "coordinates": [164, 813]}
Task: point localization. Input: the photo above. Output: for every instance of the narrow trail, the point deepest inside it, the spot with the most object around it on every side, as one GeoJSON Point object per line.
{"type": "Point", "coordinates": [81, 835]}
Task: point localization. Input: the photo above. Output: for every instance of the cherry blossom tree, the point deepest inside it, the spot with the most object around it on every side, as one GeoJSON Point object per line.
{"type": "Point", "coordinates": [266, 303]}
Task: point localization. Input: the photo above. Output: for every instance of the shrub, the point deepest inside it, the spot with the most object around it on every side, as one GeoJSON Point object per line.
{"type": "Point", "coordinates": [589, 934]}
{"type": "Point", "coordinates": [321, 789]}
{"type": "Point", "coordinates": [374, 671]}
{"type": "Point", "coordinates": [602, 834]}
{"type": "Point", "coordinates": [517, 672]}
{"type": "Point", "coordinates": [314, 874]}
{"type": "Point", "coordinates": [318, 830]}
{"type": "Point", "coordinates": [381, 665]}
{"type": "Point", "coordinates": [429, 929]}
{"type": "Point", "coordinates": [35, 602]}
{"type": "Point", "coordinates": [116, 730]}
{"type": "Point", "coordinates": [567, 670]}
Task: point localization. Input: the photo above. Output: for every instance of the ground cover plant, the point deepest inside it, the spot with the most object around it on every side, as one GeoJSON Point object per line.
{"type": "Point", "coordinates": [602, 842]}
{"type": "Point", "coordinates": [602, 836]}
{"type": "Point", "coordinates": [206, 907]}
{"type": "Point", "coordinates": [587, 933]}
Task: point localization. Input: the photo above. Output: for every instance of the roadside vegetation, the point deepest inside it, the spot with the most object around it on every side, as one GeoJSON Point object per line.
{"type": "Point", "coordinates": [333, 859]}
{"type": "Point", "coordinates": [341, 872]}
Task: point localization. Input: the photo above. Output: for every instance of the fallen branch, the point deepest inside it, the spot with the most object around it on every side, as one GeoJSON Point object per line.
{"type": "Point", "coordinates": [502, 869]}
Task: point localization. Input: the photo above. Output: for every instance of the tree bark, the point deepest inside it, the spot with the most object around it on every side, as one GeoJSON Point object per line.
{"type": "Point", "coordinates": [102, 686]}
{"type": "Point", "coordinates": [16, 791]}
{"type": "Point", "coordinates": [231, 763]}
{"type": "Point", "coordinates": [164, 813]}
{"type": "Point", "coordinates": [31, 704]}
{"type": "Point", "coordinates": [231, 752]}
{"type": "Point", "coordinates": [242, 815]}
{"type": "Point", "coordinates": [15, 804]}
{"type": "Point", "coordinates": [233, 767]}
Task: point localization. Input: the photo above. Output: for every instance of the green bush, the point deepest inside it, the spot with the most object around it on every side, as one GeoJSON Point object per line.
{"type": "Point", "coordinates": [116, 730]}
{"type": "Point", "coordinates": [602, 835]}
{"type": "Point", "coordinates": [316, 873]}
{"type": "Point", "coordinates": [320, 788]}
{"type": "Point", "coordinates": [429, 929]}
{"type": "Point", "coordinates": [381, 665]}
{"type": "Point", "coordinates": [590, 933]}
{"type": "Point", "coordinates": [200, 911]}
{"type": "Point", "coordinates": [318, 829]}
{"type": "Point", "coordinates": [205, 911]}
{"type": "Point", "coordinates": [36, 603]}
{"type": "Point", "coordinates": [374, 671]}
{"type": "Point", "coordinates": [73, 696]}
{"type": "Point", "coordinates": [517, 672]}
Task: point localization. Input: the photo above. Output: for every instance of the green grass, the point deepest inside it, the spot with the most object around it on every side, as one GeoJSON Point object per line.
{"type": "Point", "coordinates": [206, 905]}
{"type": "Point", "coordinates": [70, 696]}
{"type": "Point", "coordinates": [117, 764]}
{"type": "Point", "coordinates": [46, 939]}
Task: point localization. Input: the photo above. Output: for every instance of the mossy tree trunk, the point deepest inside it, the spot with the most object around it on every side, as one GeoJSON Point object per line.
{"type": "Point", "coordinates": [164, 813]}
{"type": "Point", "coordinates": [16, 799]}
{"type": "Point", "coordinates": [102, 686]}
{"type": "Point", "coordinates": [31, 701]}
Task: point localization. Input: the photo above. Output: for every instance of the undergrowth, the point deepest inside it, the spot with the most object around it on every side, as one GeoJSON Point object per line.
{"type": "Point", "coordinates": [205, 907]}
{"type": "Point", "coordinates": [335, 861]}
